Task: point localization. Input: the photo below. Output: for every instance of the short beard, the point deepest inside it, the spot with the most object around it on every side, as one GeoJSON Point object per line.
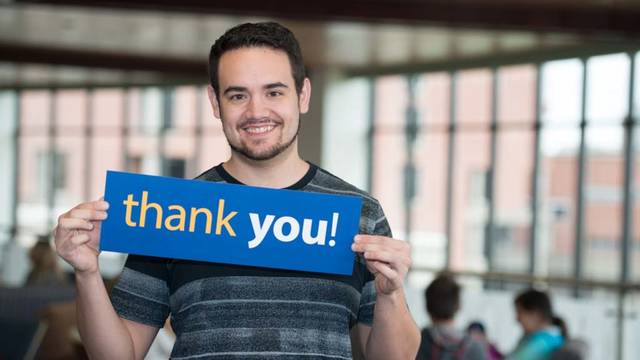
{"type": "Point", "coordinates": [269, 153]}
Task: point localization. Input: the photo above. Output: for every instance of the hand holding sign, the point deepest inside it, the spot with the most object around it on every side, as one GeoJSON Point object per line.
{"type": "Point", "coordinates": [77, 235]}
{"type": "Point", "coordinates": [388, 260]}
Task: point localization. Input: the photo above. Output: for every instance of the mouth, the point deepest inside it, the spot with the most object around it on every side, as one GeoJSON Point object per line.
{"type": "Point", "coordinates": [259, 128]}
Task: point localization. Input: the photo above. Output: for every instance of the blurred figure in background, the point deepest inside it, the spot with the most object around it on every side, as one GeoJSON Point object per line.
{"type": "Point", "coordinates": [541, 337]}
{"type": "Point", "coordinates": [477, 332]}
{"type": "Point", "coordinates": [44, 265]}
{"type": "Point", "coordinates": [573, 348]}
{"type": "Point", "coordinates": [442, 340]}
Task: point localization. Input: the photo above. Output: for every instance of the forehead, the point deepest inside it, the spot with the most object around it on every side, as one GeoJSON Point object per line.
{"type": "Point", "coordinates": [254, 66]}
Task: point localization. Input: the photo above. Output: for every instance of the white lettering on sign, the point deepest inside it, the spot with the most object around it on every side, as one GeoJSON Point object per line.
{"type": "Point", "coordinates": [287, 229]}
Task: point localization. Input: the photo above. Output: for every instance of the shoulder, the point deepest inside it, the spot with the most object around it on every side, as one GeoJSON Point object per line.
{"type": "Point", "coordinates": [373, 219]}
{"type": "Point", "coordinates": [549, 338]}
{"type": "Point", "coordinates": [541, 343]}
{"type": "Point", "coordinates": [475, 349]}
{"type": "Point", "coordinates": [326, 182]}
{"type": "Point", "coordinates": [211, 174]}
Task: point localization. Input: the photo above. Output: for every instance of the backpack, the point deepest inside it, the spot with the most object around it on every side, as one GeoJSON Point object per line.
{"type": "Point", "coordinates": [430, 349]}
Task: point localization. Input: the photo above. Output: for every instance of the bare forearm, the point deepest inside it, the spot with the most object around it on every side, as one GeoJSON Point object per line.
{"type": "Point", "coordinates": [103, 333]}
{"type": "Point", "coordinates": [394, 334]}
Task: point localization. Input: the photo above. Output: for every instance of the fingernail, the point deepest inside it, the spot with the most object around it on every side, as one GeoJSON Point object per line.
{"type": "Point", "coordinates": [357, 238]}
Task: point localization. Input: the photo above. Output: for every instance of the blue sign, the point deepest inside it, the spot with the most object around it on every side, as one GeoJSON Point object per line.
{"type": "Point", "coordinates": [228, 223]}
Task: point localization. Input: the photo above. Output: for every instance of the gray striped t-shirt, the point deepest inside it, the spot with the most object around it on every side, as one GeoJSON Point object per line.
{"type": "Point", "coordinates": [223, 311]}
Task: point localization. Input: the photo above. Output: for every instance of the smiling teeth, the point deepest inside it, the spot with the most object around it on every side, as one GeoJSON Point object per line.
{"type": "Point", "coordinates": [259, 130]}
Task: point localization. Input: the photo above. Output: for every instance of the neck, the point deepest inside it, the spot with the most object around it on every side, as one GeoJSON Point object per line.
{"type": "Point", "coordinates": [280, 172]}
{"type": "Point", "coordinates": [449, 323]}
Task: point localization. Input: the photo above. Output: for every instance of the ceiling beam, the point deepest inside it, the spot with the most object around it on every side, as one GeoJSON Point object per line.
{"type": "Point", "coordinates": [38, 54]}
{"type": "Point", "coordinates": [534, 56]}
{"type": "Point", "coordinates": [616, 19]}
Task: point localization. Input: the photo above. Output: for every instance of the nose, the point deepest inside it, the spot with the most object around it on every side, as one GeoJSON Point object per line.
{"type": "Point", "coordinates": [257, 108]}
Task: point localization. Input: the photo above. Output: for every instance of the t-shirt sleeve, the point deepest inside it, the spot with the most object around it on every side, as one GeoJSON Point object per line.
{"type": "Point", "coordinates": [141, 293]}
{"type": "Point", "coordinates": [378, 225]}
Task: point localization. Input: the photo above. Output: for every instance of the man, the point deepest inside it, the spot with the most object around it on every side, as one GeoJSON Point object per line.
{"type": "Point", "coordinates": [258, 90]}
{"type": "Point", "coordinates": [442, 341]}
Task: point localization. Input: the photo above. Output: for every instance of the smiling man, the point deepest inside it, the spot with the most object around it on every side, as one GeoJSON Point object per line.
{"type": "Point", "coordinates": [258, 90]}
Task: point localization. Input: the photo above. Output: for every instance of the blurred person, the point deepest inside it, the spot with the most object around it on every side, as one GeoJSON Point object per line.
{"type": "Point", "coordinates": [477, 331]}
{"type": "Point", "coordinates": [45, 270]}
{"type": "Point", "coordinates": [541, 337]}
{"type": "Point", "coordinates": [442, 340]}
{"type": "Point", "coordinates": [258, 91]}
{"type": "Point", "coordinates": [573, 348]}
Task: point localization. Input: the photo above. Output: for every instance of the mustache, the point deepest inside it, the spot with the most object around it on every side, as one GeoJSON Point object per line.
{"type": "Point", "coordinates": [258, 122]}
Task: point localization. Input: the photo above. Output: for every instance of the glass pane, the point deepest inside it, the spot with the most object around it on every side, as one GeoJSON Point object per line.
{"type": "Point", "coordinates": [208, 118]}
{"type": "Point", "coordinates": [632, 327]}
{"type": "Point", "coordinates": [214, 147]}
{"type": "Point", "coordinates": [185, 106]}
{"type": "Point", "coordinates": [33, 187]}
{"type": "Point", "coordinates": [108, 111]}
{"type": "Point", "coordinates": [607, 89]}
{"type": "Point", "coordinates": [517, 94]}
{"type": "Point", "coordinates": [635, 260]}
{"type": "Point", "coordinates": [561, 92]}
{"type": "Point", "coordinates": [513, 200]}
{"type": "Point", "coordinates": [71, 111]}
{"type": "Point", "coordinates": [7, 159]}
{"type": "Point", "coordinates": [69, 172]}
{"type": "Point", "coordinates": [389, 149]}
{"type": "Point", "coordinates": [470, 206]}
{"type": "Point", "coordinates": [180, 146]}
{"type": "Point", "coordinates": [603, 202]}
{"type": "Point", "coordinates": [473, 97]}
{"type": "Point", "coordinates": [35, 109]}
{"type": "Point", "coordinates": [432, 99]}
{"type": "Point", "coordinates": [346, 129]}
{"type": "Point", "coordinates": [69, 147]}
{"type": "Point", "coordinates": [558, 191]}
{"type": "Point", "coordinates": [429, 208]}
{"type": "Point", "coordinates": [7, 112]}
{"type": "Point", "coordinates": [590, 318]}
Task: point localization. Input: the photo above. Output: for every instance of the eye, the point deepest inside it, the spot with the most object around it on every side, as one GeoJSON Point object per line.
{"type": "Point", "coordinates": [237, 97]}
{"type": "Point", "coordinates": [274, 93]}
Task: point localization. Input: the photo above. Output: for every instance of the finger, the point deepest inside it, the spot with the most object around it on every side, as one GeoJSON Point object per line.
{"type": "Point", "coordinates": [80, 239]}
{"type": "Point", "coordinates": [88, 214]}
{"type": "Point", "coordinates": [361, 248]}
{"type": "Point", "coordinates": [75, 224]}
{"type": "Point", "coordinates": [400, 263]}
{"type": "Point", "coordinates": [379, 240]}
{"type": "Point", "coordinates": [386, 271]}
{"type": "Point", "coordinates": [383, 256]}
{"type": "Point", "coordinates": [95, 205]}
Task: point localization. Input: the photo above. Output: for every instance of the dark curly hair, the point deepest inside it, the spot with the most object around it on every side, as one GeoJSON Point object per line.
{"type": "Point", "coordinates": [265, 34]}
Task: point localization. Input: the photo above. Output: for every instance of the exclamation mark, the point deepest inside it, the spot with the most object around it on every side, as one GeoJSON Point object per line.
{"type": "Point", "coordinates": [334, 227]}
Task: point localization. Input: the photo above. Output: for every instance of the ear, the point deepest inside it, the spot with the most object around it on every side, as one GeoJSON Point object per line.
{"type": "Point", "coordinates": [214, 101]}
{"type": "Point", "coordinates": [305, 96]}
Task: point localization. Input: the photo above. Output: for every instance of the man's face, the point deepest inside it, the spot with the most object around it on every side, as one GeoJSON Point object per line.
{"type": "Point", "coordinates": [258, 104]}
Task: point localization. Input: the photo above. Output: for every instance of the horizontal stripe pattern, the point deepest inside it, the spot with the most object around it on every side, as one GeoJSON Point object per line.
{"type": "Point", "coordinates": [223, 311]}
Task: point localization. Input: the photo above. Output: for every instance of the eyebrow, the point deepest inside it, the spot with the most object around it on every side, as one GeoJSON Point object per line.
{"type": "Point", "coordinates": [274, 85]}
{"type": "Point", "coordinates": [235, 89]}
